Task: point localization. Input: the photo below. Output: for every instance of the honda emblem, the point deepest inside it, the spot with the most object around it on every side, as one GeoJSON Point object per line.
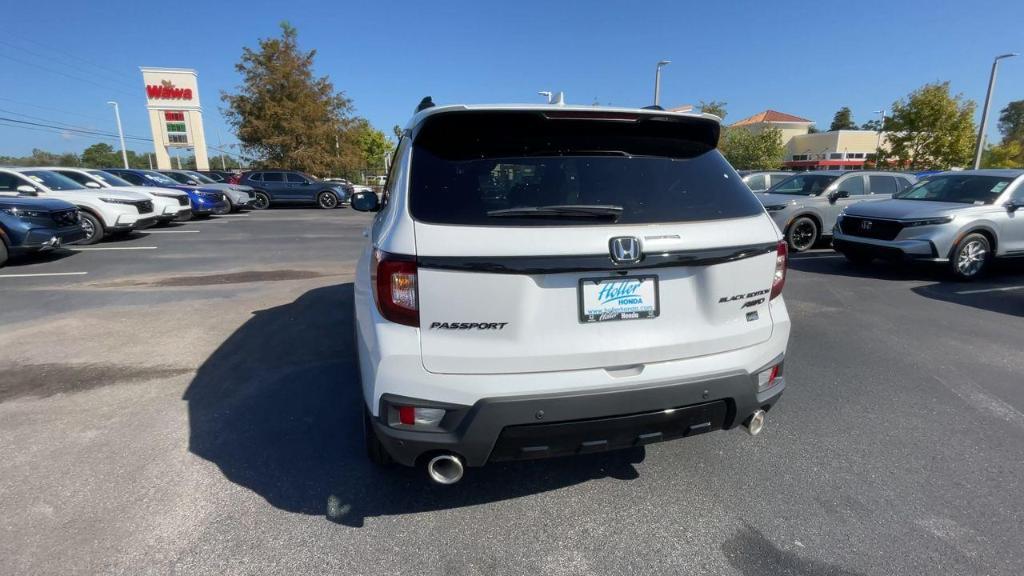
{"type": "Point", "coordinates": [625, 249]}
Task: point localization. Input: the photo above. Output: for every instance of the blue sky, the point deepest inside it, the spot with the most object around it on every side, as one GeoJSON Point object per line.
{"type": "Point", "coordinates": [64, 59]}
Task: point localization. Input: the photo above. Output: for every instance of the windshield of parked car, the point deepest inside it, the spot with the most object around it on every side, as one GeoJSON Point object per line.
{"type": "Point", "coordinates": [804, 184]}
{"type": "Point", "coordinates": [525, 169]}
{"type": "Point", "coordinates": [52, 180]}
{"type": "Point", "coordinates": [202, 178]}
{"type": "Point", "coordinates": [158, 178]}
{"type": "Point", "coordinates": [108, 178]}
{"type": "Point", "coordinates": [178, 177]}
{"type": "Point", "coordinates": [959, 188]}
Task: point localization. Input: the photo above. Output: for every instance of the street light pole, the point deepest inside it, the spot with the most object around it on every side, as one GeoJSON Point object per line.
{"type": "Point", "coordinates": [878, 146]}
{"type": "Point", "coordinates": [984, 111]}
{"type": "Point", "coordinates": [120, 132]}
{"type": "Point", "coordinates": [657, 80]}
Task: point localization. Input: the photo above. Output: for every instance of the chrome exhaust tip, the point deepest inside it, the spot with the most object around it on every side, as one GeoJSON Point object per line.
{"type": "Point", "coordinates": [445, 469]}
{"type": "Point", "coordinates": [756, 422]}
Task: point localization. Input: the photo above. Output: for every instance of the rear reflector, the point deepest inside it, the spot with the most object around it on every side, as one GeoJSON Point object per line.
{"type": "Point", "coordinates": [417, 416]}
{"type": "Point", "coordinates": [766, 378]}
{"type": "Point", "coordinates": [781, 262]}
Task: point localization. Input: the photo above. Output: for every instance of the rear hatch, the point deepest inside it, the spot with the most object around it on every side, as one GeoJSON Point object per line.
{"type": "Point", "coordinates": [572, 240]}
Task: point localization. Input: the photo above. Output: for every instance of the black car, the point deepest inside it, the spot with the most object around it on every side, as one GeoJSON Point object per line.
{"type": "Point", "coordinates": [293, 187]}
{"type": "Point", "coordinates": [219, 176]}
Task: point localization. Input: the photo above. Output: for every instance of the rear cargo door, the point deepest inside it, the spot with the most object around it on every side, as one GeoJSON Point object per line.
{"type": "Point", "coordinates": [572, 242]}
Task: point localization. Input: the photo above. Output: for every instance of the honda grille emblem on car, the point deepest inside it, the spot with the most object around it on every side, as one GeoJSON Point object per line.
{"type": "Point", "coordinates": [625, 249]}
{"type": "Point", "coordinates": [865, 225]}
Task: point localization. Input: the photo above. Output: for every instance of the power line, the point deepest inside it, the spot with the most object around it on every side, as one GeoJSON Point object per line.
{"type": "Point", "coordinates": [72, 76]}
{"type": "Point", "coordinates": [65, 124]}
{"type": "Point", "coordinates": [57, 110]}
{"type": "Point", "coordinates": [117, 73]}
{"type": "Point", "coordinates": [117, 79]}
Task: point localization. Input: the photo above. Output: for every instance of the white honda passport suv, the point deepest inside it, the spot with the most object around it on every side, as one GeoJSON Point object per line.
{"type": "Point", "coordinates": [552, 280]}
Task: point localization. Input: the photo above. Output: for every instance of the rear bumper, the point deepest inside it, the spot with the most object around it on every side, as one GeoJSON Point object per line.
{"type": "Point", "coordinates": [547, 425]}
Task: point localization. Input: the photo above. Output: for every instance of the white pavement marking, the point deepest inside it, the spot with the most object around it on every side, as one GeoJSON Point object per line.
{"type": "Point", "coordinates": [972, 394]}
{"type": "Point", "coordinates": [171, 232]}
{"type": "Point", "coordinates": [114, 248]}
{"type": "Point", "coordinates": [983, 290]}
{"type": "Point", "coordinates": [40, 274]}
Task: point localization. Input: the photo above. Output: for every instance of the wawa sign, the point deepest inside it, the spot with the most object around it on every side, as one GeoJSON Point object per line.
{"type": "Point", "coordinates": [166, 90]}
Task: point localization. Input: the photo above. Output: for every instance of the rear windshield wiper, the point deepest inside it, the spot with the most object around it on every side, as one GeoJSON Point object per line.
{"type": "Point", "coordinates": [562, 211]}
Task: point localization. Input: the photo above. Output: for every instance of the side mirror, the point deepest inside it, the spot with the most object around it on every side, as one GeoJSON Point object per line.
{"type": "Point", "coordinates": [837, 195]}
{"type": "Point", "coordinates": [365, 202]}
{"type": "Point", "coordinates": [27, 190]}
{"type": "Point", "coordinates": [1012, 205]}
{"type": "Point", "coordinates": [91, 184]}
{"type": "Point", "coordinates": [192, 182]}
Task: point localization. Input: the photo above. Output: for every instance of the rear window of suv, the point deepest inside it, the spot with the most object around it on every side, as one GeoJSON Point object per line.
{"type": "Point", "coordinates": [481, 169]}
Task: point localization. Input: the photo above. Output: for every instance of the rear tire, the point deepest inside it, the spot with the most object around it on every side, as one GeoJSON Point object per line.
{"type": "Point", "coordinates": [3, 253]}
{"type": "Point", "coordinates": [802, 234]}
{"type": "Point", "coordinates": [971, 257]}
{"type": "Point", "coordinates": [93, 228]}
{"type": "Point", "coordinates": [374, 448]}
{"type": "Point", "coordinates": [260, 201]}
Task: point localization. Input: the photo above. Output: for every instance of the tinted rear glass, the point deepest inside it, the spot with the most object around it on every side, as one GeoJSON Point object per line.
{"type": "Point", "coordinates": [466, 165]}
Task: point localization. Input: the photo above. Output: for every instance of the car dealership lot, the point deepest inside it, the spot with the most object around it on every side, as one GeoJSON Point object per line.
{"type": "Point", "coordinates": [184, 401]}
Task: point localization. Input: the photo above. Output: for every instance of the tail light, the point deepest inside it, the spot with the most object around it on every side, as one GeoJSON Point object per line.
{"type": "Point", "coordinates": [395, 287]}
{"type": "Point", "coordinates": [781, 261]}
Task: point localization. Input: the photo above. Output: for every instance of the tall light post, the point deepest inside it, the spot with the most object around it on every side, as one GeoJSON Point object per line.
{"type": "Point", "coordinates": [120, 132]}
{"type": "Point", "coordinates": [878, 145]}
{"type": "Point", "coordinates": [657, 80]}
{"type": "Point", "coordinates": [984, 111]}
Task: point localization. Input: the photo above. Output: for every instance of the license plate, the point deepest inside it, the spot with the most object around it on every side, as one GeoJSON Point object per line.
{"type": "Point", "coordinates": [625, 298]}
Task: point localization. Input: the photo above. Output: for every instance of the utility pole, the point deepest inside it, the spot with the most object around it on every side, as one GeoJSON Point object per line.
{"type": "Point", "coordinates": [220, 146]}
{"type": "Point", "coordinates": [120, 133]}
{"type": "Point", "coordinates": [984, 111]}
{"type": "Point", "coordinates": [878, 146]}
{"type": "Point", "coordinates": [657, 80]}
{"type": "Point", "coordinates": [150, 158]}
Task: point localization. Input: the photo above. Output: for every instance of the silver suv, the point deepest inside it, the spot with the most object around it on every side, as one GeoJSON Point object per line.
{"type": "Point", "coordinates": [805, 205]}
{"type": "Point", "coordinates": [760, 181]}
{"type": "Point", "coordinates": [963, 219]}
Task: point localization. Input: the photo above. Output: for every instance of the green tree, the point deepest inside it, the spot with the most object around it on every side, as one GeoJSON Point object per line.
{"type": "Point", "coordinates": [747, 150]}
{"type": "Point", "coordinates": [1006, 155]}
{"type": "Point", "coordinates": [713, 107]}
{"type": "Point", "coordinates": [368, 144]}
{"type": "Point", "coordinates": [873, 125]}
{"type": "Point", "coordinates": [397, 131]}
{"type": "Point", "coordinates": [282, 113]}
{"type": "Point", "coordinates": [1011, 121]}
{"type": "Point", "coordinates": [843, 120]}
{"type": "Point", "coordinates": [101, 155]}
{"type": "Point", "coordinates": [931, 129]}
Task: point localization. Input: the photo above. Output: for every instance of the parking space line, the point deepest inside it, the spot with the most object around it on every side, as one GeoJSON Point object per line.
{"type": "Point", "coordinates": [90, 249]}
{"type": "Point", "coordinates": [984, 290]}
{"type": "Point", "coordinates": [171, 232]}
{"type": "Point", "coordinates": [41, 274]}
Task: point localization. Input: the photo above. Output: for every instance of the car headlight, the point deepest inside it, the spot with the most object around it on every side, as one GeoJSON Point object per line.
{"type": "Point", "coordinates": [116, 201]}
{"type": "Point", "coordinates": [928, 221]}
{"type": "Point", "coordinates": [18, 212]}
{"type": "Point", "coordinates": [775, 207]}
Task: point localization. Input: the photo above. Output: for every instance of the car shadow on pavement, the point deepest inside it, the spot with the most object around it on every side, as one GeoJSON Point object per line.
{"type": "Point", "coordinates": [833, 263]}
{"type": "Point", "coordinates": [38, 258]}
{"type": "Point", "coordinates": [277, 407]}
{"type": "Point", "coordinates": [753, 554]}
{"type": "Point", "coordinates": [1003, 297]}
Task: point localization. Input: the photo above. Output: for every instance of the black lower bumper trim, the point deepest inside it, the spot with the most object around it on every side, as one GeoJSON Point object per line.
{"type": "Point", "coordinates": [584, 436]}
{"type": "Point", "coordinates": [882, 252]}
{"type": "Point", "coordinates": [542, 425]}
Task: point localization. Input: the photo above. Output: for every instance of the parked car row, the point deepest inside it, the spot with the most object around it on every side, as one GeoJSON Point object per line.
{"type": "Point", "coordinates": [963, 220]}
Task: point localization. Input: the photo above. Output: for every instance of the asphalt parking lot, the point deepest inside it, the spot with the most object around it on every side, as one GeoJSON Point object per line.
{"type": "Point", "coordinates": [184, 401]}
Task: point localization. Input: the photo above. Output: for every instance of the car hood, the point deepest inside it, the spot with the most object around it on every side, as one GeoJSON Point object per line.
{"type": "Point", "coordinates": [769, 199]}
{"type": "Point", "coordinates": [240, 187]}
{"type": "Point", "coordinates": [904, 209]}
{"type": "Point", "coordinates": [147, 190]}
{"type": "Point", "coordinates": [33, 203]}
{"type": "Point", "coordinates": [97, 194]}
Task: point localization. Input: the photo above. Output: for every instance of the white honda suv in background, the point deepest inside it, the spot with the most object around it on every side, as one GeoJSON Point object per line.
{"type": "Point", "coordinates": [101, 212]}
{"type": "Point", "coordinates": [551, 280]}
{"type": "Point", "coordinates": [168, 204]}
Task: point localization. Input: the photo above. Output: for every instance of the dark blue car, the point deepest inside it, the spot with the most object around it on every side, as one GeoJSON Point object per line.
{"type": "Point", "coordinates": [205, 201]}
{"type": "Point", "coordinates": [36, 225]}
